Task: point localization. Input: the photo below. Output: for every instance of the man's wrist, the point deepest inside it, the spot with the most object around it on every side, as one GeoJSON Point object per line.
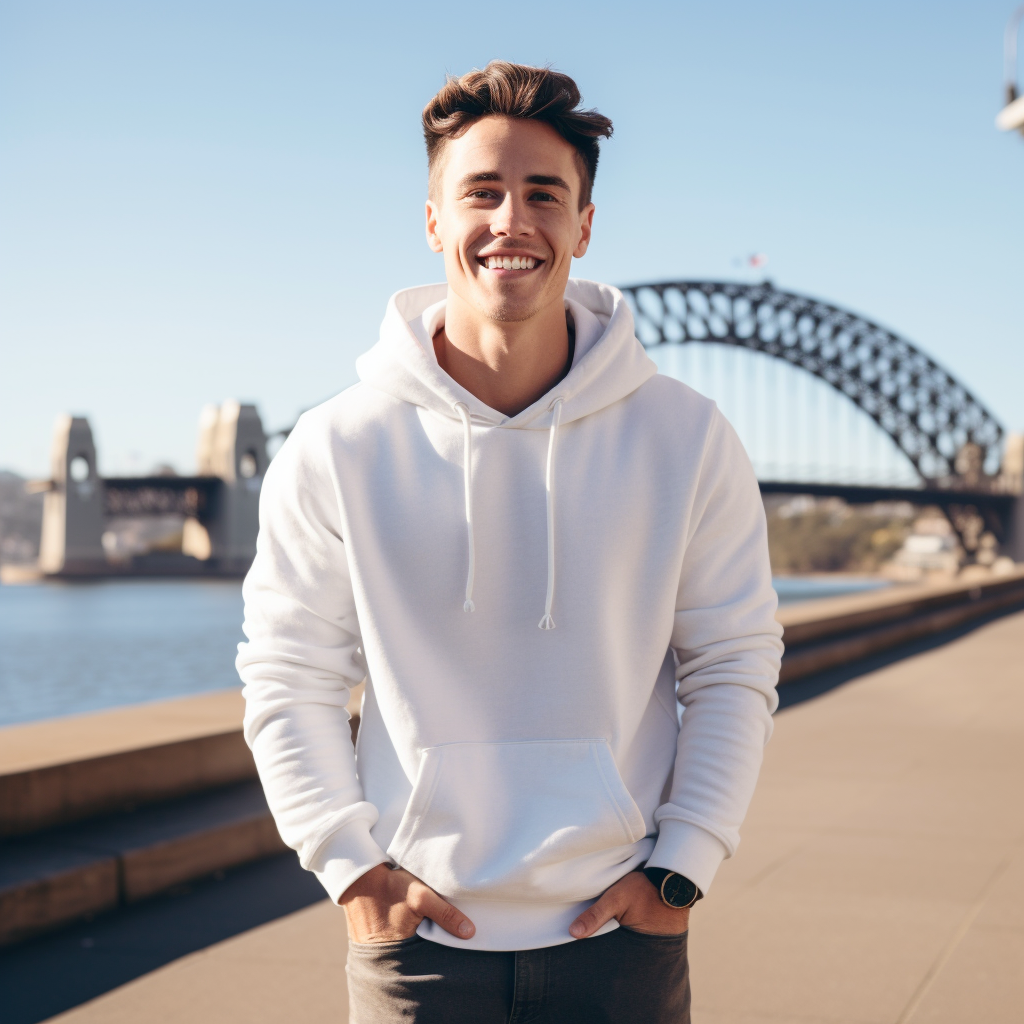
{"type": "Point", "coordinates": [369, 883]}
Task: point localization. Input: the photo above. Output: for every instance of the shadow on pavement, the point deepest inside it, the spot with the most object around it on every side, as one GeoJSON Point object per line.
{"type": "Point", "coordinates": [55, 972]}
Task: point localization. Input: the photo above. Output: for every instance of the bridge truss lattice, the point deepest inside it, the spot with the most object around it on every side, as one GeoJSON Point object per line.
{"type": "Point", "coordinates": [951, 439]}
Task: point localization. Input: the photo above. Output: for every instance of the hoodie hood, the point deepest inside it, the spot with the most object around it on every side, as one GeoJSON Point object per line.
{"type": "Point", "coordinates": [609, 362]}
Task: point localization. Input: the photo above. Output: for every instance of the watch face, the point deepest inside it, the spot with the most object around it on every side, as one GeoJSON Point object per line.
{"type": "Point", "coordinates": [678, 891]}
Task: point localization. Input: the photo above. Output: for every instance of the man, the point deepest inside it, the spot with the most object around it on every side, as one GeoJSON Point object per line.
{"type": "Point", "coordinates": [532, 547]}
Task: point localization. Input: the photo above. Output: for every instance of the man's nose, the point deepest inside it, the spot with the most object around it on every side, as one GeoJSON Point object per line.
{"type": "Point", "coordinates": [510, 219]}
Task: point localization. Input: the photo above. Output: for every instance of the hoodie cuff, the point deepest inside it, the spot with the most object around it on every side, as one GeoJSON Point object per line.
{"type": "Point", "coordinates": [345, 856]}
{"type": "Point", "coordinates": [688, 850]}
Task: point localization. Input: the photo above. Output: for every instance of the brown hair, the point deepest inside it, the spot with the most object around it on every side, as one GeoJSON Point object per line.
{"type": "Point", "coordinates": [515, 90]}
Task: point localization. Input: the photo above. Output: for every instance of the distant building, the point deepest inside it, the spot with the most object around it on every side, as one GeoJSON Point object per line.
{"type": "Point", "coordinates": [931, 547]}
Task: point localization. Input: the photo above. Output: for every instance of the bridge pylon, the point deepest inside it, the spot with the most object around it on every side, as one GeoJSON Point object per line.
{"type": "Point", "coordinates": [1013, 480]}
{"type": "Point", "coordinates": [72, 535]}
{"type": "Point", "coordinates": [232, 447]}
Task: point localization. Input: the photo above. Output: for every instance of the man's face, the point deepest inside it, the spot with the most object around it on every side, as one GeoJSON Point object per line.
{"type": "Point", "coordinates": [508, 190]}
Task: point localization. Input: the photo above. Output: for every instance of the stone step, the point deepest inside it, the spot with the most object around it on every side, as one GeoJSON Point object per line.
{"type": "Point", "coordinates": [63, 770]}
{"type": "Point", "coordinates": [53, 878]}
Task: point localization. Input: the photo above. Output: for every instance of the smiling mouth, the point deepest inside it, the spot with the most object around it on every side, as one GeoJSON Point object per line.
{"type": "Point", "coordinates": [519, 263]}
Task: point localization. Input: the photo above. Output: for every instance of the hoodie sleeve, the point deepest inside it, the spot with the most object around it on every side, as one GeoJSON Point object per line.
{"type": "Point", "coordinates": [728, 649]}
{"type": "Point", "coordinates": [301, 661]}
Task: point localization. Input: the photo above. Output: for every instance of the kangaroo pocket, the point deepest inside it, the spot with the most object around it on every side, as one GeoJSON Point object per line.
{"type": "Point", "coordinates": [542, 820]}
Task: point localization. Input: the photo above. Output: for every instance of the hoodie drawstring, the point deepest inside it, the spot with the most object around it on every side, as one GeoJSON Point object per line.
{"type": "Point", "coordinates": [549, 483]}
{"type": "Point", "coordinates": [467, 461]}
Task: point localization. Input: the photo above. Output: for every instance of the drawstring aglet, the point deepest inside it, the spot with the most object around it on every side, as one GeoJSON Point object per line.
{"type": "Point", "coordinates": [469, 607]}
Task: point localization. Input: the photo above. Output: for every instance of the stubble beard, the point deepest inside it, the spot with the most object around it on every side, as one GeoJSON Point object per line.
{"type": "Point", "coordinates": [513, 309]}
{"type": "Point", "coordinates": [508, 312]}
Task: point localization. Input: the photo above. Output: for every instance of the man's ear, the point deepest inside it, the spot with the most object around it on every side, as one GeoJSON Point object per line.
{"type": "Point", "coordinates": [433, 240]}
{"type": "Point", "coordinates": [586, 227]}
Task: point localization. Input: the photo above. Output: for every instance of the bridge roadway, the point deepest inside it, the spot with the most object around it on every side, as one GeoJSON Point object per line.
{"type": "Point", "coordinates": [880, 878]}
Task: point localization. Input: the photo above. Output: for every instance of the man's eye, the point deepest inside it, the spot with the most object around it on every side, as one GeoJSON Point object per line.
{"type": "Point", "coordinates": [480, 195]}
{"type": "Point", "coordinates": [544, 197]}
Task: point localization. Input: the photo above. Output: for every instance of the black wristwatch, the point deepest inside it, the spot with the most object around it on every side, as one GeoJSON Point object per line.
{"type": "Point", "coordinates": [676, 890]}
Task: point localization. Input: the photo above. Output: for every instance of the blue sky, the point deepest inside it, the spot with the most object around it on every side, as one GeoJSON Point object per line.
{"type": "Point", "coordinates": [211, 200]}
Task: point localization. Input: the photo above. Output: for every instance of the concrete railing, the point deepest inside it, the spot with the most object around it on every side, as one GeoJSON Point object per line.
{"type": "Point", "coordinates": [825, 634]}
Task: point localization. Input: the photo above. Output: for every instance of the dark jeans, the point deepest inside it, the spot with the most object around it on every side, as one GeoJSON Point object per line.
{"type": "Point", "coordinates": [618, 978]}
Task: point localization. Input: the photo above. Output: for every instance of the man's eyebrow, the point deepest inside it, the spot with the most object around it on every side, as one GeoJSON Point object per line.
{"type": "Point", "coordinates": [473, 179]}
{"type": "Point", "coordinates": [550, 180]}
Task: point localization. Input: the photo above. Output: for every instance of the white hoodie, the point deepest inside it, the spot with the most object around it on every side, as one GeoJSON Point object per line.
{"type": "Point", "coordinates": [527, 597]}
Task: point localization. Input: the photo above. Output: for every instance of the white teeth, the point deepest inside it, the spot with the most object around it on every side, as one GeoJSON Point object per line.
{"type": "Point", "coordinates": [511, 263]}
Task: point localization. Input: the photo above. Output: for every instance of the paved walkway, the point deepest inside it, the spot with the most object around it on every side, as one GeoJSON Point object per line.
{"type": "Point", "coordinates": [880, 879]}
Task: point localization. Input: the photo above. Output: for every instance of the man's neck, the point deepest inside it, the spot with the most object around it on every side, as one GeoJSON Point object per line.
{"type": "Point", "coordinates": [508, 366]}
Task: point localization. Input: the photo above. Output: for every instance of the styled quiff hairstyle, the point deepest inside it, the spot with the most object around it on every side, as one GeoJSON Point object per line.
{"type": "Point", "coordinates": [515, 90]}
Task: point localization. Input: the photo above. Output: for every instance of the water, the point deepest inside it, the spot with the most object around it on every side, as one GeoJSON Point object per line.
{"type": "Point", "coordinates": [74, 647]}
{"type": "Point", "coordinates": [792, 589]}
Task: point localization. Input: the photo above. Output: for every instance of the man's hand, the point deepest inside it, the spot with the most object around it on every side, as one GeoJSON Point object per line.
{"type": "Point", "coordinates": [386, 905]}
{"type": "Point", "coordinates": [635, 903]}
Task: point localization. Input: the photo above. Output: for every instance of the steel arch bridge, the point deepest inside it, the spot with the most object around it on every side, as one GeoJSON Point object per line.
{"type": "Point", "coordinates": [947, 434]}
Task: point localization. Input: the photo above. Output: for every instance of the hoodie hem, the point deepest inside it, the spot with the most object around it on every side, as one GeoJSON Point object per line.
{"type": "Point", "coordinates": [504, 927]}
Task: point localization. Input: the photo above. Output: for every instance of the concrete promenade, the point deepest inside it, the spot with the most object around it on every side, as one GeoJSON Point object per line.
{"type": "Point", "coordinates": [880, 879]}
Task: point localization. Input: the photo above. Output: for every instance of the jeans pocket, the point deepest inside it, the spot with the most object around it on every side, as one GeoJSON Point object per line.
{"type": "Point", "coordinates": [679, 938]}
